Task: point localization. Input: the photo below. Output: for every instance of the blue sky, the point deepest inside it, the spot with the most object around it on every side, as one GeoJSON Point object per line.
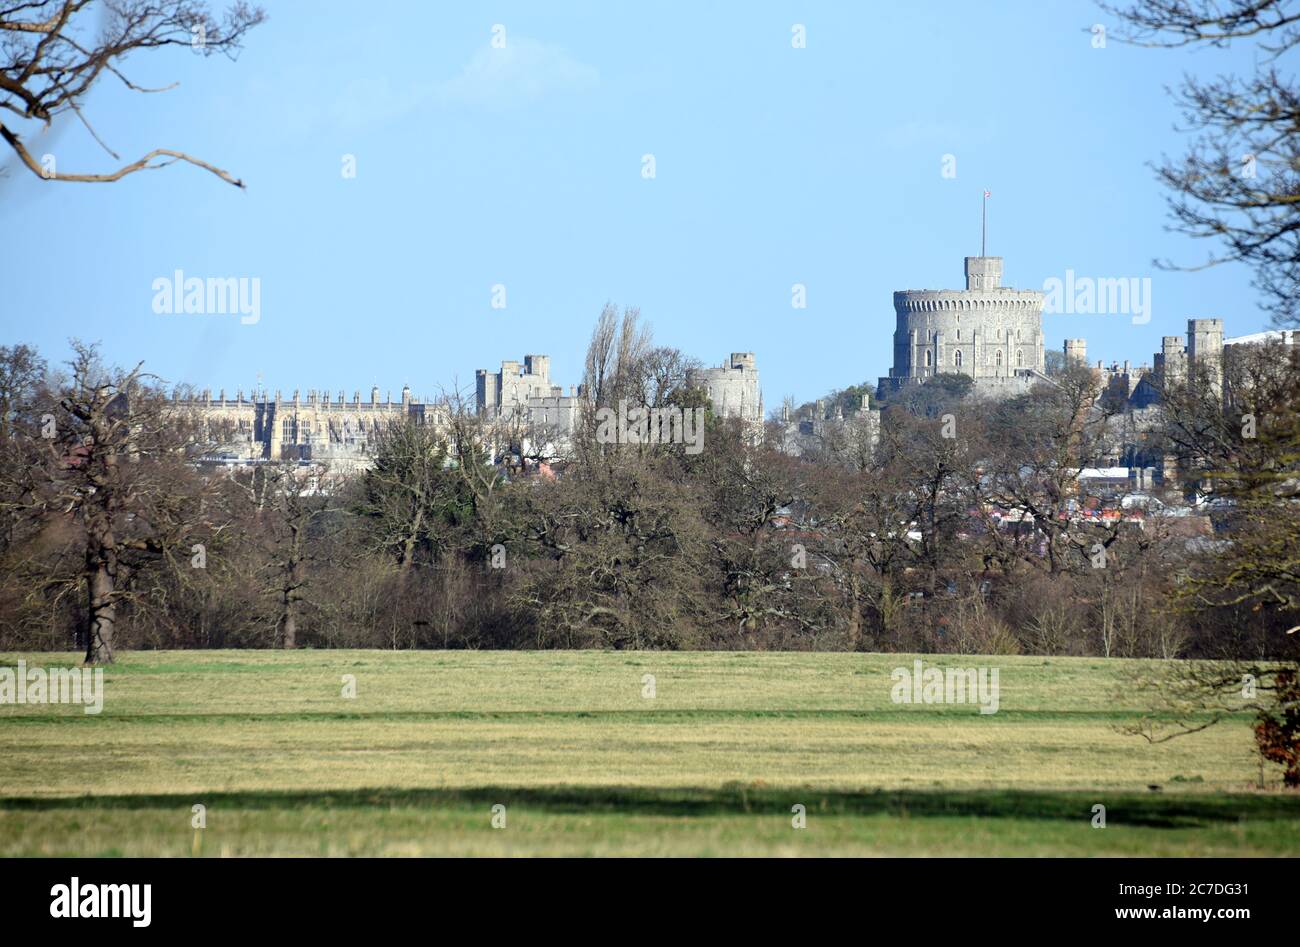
{"type": "Point", "coordinates": [523, 167]}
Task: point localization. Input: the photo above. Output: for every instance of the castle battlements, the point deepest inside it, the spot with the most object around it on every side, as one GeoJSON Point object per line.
{"type": "Point", "coordinates": [990, 333]}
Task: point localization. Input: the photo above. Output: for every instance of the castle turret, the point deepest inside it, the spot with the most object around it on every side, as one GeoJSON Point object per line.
{"type": "Point", "coordinates": [1171, 361]}
{"type": "Point", "coordinates": [990, 333]}
{"type": "Point", "coordinates": [734, 391]}
{"type": "Point", "coordinates": [983, 272]}
{"type": "Point", "coordinates": [539, 365]}
{"type": "Point", "coordinates": [1205, 348]}
{"type": "Point", "coordinates": [486, 394]}
{"type": "Point", "coordinates": [1076, 352]}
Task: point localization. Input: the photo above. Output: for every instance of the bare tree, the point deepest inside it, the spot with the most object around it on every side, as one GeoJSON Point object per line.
{"type": "Point", "coordinates": [410, 496]}
{"type": "Point", "coordinates": [1037, 446]}
{"type": "Point", "coordinates": [616, 357]}
{"type": "Point", "coordinates": [1239, 183]}
{"type": "Point", "coordinates": [1245, 450]}
{"type": "Point", "coordinates": [115, 467]}
{"type": "Point", "coordinates": [288, 502]}
{"type": "Point", "coordinates": [53, 51]}
{"type": "Point", "coordinates": [22, 373]}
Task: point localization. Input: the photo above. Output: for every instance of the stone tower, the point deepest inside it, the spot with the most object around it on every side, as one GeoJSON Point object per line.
{"type": "Point", "coordinates": [991, 333]}
{"type": "Point", "coordinates": [1205, 348]}
{"type": "Point", "coordinates": [1076, 352]}
{"type": "Point", "coordinates": [983, 272]}
{"type": "Point", "coordinates": [733, 389]}
{"type": "Point", "coordinates": [1171, 363]}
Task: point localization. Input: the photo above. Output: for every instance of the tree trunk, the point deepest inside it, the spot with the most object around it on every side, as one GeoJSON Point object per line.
{"type": "Point", "coordinates": [289, 605]}
{"type": "Point", "coordinates": [292, 582]}
{"type": "Point", "coordinates": [102, 609]}
{"type": "Point", "coordinates": [412, 537]}
{"type": "Point", "coordinates": [855, 613]}
{"type": "Point", "coordinates": [289, 626]}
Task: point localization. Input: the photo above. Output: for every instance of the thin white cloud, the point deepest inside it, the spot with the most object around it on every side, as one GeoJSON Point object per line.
{"type": "Point", "coordinates": [523, 72]}
{"type": "Point", "coordinates": [374, 100]}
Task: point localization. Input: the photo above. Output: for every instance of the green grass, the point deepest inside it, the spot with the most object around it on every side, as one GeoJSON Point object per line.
{"type": "Point", "coordinates": [584, 764]}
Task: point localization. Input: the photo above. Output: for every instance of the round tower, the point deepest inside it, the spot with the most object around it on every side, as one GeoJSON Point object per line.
{"type": "Point", "coordinates": [991, 333]}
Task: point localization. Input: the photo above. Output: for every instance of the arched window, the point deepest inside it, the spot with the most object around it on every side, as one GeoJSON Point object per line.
{"type": "Point", "coordinates": [956, 358]}
{"type": "Point", "coordinates": [1020, 358]}
{"type": "Point", "coordinates": [927, 358]}
{"type": "Point", "coordinates": [999, 358]}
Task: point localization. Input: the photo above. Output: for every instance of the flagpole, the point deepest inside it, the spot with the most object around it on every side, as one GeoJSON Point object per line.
{"type": "Point", "coordinates": [984, 224]}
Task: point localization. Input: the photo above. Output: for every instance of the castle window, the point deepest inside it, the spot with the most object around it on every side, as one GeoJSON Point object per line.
{"type": "Point", "coordinates": [956, 358]}
{"type": "Point", "coordinates": [1020, 358]}
{"type": "Point", "coordinates": [959, 330]}
{"type": "Point", "coordinates": [999, 358]}
{"type": "Point", "coordinates": [927, 359]}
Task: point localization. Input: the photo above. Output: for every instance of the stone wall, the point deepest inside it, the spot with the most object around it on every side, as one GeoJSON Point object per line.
{"type": "Point", "coordinates": [990, 333]}
{"type": "Point", "coordinates": [315, 428]}
{"type": "Point", "coordinates": [733, 389]}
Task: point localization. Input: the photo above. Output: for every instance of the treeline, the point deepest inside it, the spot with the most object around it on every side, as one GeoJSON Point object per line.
{"type": "Point", "coordinates": [953, 528]}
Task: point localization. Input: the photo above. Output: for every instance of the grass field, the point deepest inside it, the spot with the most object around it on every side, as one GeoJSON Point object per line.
{"type": "Point", "coordinates": [585, 764]}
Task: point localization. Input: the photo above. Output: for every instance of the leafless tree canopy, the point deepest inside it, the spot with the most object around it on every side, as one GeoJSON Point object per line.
{"type": "Point", "coordinates": [52, 52]}
{"type": "Point", "coordinates": [1239, 183]}
{"type": "Point", "coordinates": [959, 529]}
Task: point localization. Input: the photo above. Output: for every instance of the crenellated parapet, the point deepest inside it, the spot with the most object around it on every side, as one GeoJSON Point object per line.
{"type": "Point", "coordinates": [991, 333]}
{"type": "Point", "coordinates": [960, 300]}
{"type": "Point", "coordinates": [733, 389]}
{"type": "Point", "coordinates": [310, 426]}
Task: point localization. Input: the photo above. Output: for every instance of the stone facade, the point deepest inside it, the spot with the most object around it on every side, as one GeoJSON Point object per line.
{"type": "Point", "coordinates": [1140, 386]}
{"type": "Point", "coordinates": [527, 416]}
{"type": "Point", "coordinates": [315, 428]}
{"type": "Point", "coordinates": [990, 333]}
{"type": "Point", "coordinates": [526, 389]}
{"type": "Point", "coordinates": [818, 433]}
{"type": "Point", "coordinates": [532, 416]}
{"type": "Point", "coordinates": [733, 389]}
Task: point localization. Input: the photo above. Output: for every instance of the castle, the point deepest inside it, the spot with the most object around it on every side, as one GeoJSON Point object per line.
{"type": "Point", "coordinates": [1204, 346]}
{"type": "Point", "coordinates": [734, 391]}
{"type": "Point", "coordinates": [994, 336]}
{"type": "Point", "coordinates": [990, 333]}
{"type": "Point", "coordinates": [314, 428]}
{"type": "Point", "coordinates": [526, 415]}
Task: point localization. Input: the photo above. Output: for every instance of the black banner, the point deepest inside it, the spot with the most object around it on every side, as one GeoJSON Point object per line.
{"type": "Point", "coordinates": [938, 896]}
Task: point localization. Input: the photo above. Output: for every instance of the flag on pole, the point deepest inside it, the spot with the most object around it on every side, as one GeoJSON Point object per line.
{"type": "Point", "coordinates": [988, 194]}
{"type": "Point", "coordinates": [984, 223]}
